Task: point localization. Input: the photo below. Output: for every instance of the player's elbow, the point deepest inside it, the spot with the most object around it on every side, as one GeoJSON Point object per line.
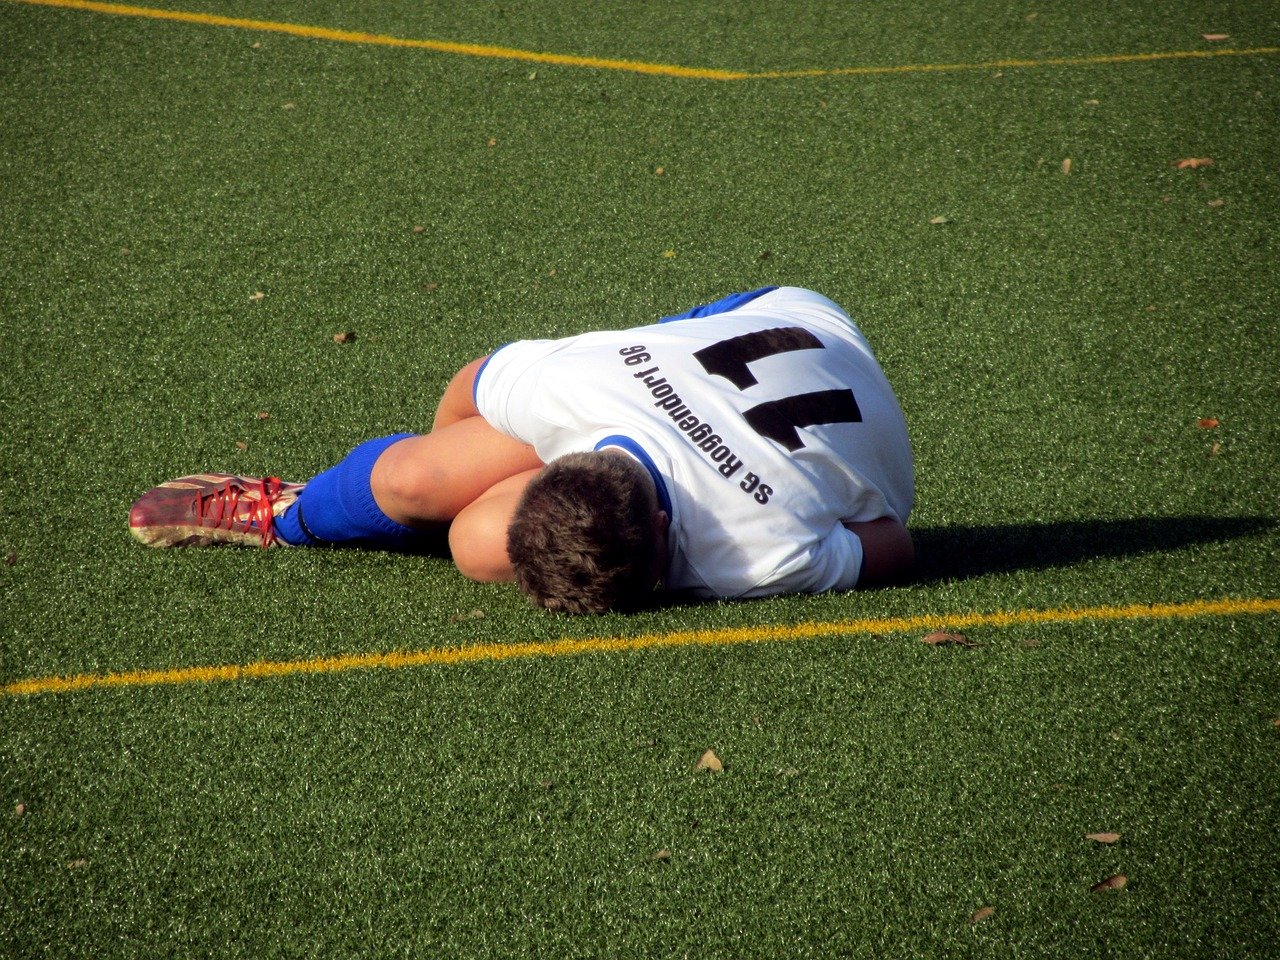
{"type": "Point", "coordinates": [888, 552]}
{"type": "Point", "coordinates": [479, 548]}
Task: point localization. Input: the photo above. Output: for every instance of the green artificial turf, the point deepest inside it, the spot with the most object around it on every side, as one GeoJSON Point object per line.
{"type": "Point", "coordinates": [189, 213]}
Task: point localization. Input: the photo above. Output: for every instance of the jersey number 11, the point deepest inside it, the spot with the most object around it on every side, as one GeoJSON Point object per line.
{"type": "Point", "coordinates": [778, 419]}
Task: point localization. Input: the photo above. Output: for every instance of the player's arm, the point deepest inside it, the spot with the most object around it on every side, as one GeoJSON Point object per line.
{"type": "Point", "coordinates": [478, 535]}
{"type": "Point", "coordinates": [458, 401]}
{"type": "Point", "coordinates": [887, 550]}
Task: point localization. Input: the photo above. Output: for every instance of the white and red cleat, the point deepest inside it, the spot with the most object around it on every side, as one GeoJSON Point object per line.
{"type": "Point", "coordinates": [212, 509]}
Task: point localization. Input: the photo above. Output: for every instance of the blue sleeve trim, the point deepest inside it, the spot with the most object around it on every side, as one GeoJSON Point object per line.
{"type": "Point", "coordinates": [637, 451]}
{"type": "Point", "coordinates": [475, 382]}
{"type": "Point", "coordinates": [723, 305]}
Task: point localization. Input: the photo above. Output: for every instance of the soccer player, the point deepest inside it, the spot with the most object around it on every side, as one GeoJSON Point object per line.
{"type": "Point", "coordinates": [744, 448]}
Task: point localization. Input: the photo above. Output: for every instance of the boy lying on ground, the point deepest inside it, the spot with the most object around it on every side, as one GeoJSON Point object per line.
{"type": "Point", "coordinates": [744, 448]}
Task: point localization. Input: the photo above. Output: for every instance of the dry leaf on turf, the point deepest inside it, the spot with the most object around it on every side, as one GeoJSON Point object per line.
{"type": "Point", "coordinates": [257, 297]}
{"type": "Point", "coordinates": [1217, 203]}
{"type": "Point", "coordinates": [984, 913]}
{"type": "Point", "coordinates": [709, 761]}
{"type": "Point", "coordinates": [241, 446]}
{"type": "Point", "coordinates": [938, 221]}
{"type": "Point", "coordinates": [1207, 423]}
{"type": "Point", "coordinates": [19, 809]}
{"type": "Point", "coordinates": [1116, 882]}
{"type": "Point", "coordinates": [1193, 163]}
{"type": "Point", "coordinates": [942, 637]}
{"type": "Point", "coordinates": [419, 229]}
{"type": "Point", "coordinates": [1102, 837]}
{"type": "Point", "coordinates": [345, 337]}
{"type": "Point", "coordinates": [660, 856]}
{"type": "Point", "coordinates": [77, 864]}
{"type": "Point", "coordinates": [1066, 165]}
{"type": "Point", "coordinates": [1214, 37]}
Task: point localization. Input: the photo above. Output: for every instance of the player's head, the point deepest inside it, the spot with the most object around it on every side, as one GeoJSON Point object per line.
{"type": "Point", "coordinates": [588, 535]}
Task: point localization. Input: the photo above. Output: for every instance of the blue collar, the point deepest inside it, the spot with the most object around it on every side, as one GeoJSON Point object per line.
{"type": "Point", "coordinates": [637, 451]}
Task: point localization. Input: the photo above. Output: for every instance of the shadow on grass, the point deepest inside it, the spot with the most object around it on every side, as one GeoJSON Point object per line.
{"type": "Point", "coordinates": [964, 552]}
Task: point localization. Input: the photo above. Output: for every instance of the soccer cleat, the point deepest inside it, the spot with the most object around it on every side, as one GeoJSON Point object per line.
{"type": "Point", "coordinates": [210, 509]}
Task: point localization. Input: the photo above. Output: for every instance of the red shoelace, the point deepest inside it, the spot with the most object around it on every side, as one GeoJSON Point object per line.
{"type": "Point", "coordinates": [222, 507]}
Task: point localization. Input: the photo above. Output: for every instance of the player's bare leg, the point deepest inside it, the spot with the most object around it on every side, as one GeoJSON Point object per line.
{"type": "Point", "coordinates": [430, 479]}
{"type": "Point", "coordinates": [385, 493]}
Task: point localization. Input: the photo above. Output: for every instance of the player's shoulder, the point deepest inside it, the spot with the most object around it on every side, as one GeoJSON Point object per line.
{"type": "Point", "coordinates": [808, 307]}
{"type": "Point", "coordinates": [799, 295]}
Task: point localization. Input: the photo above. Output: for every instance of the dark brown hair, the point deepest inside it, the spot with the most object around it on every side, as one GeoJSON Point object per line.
{"type": "Point", "coordinates": [583, 537]}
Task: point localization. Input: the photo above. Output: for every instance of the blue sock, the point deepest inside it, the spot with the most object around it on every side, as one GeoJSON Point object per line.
{"type": "Point", "coordinates": [337, 506]}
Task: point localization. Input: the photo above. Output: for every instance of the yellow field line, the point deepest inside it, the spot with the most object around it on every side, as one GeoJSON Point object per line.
{"type": "Point", "coordinates": [350, 36]}
{"type": "Point", "coordinates": [628, 66]}
{"type": "Point", "coordinates": [1092, 61]}
{"type": "Point", "coordinates": [570, 646]}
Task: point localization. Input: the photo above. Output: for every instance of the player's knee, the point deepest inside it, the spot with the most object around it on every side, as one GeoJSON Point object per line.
{"type": "Point", "coordinates": [406, 488]}
{"type": "Point", "coordinates": [411, 495]}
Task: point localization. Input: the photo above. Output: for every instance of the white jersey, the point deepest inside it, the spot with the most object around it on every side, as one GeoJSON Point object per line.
{"type": "Point", "coordinates": [764, 427]}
